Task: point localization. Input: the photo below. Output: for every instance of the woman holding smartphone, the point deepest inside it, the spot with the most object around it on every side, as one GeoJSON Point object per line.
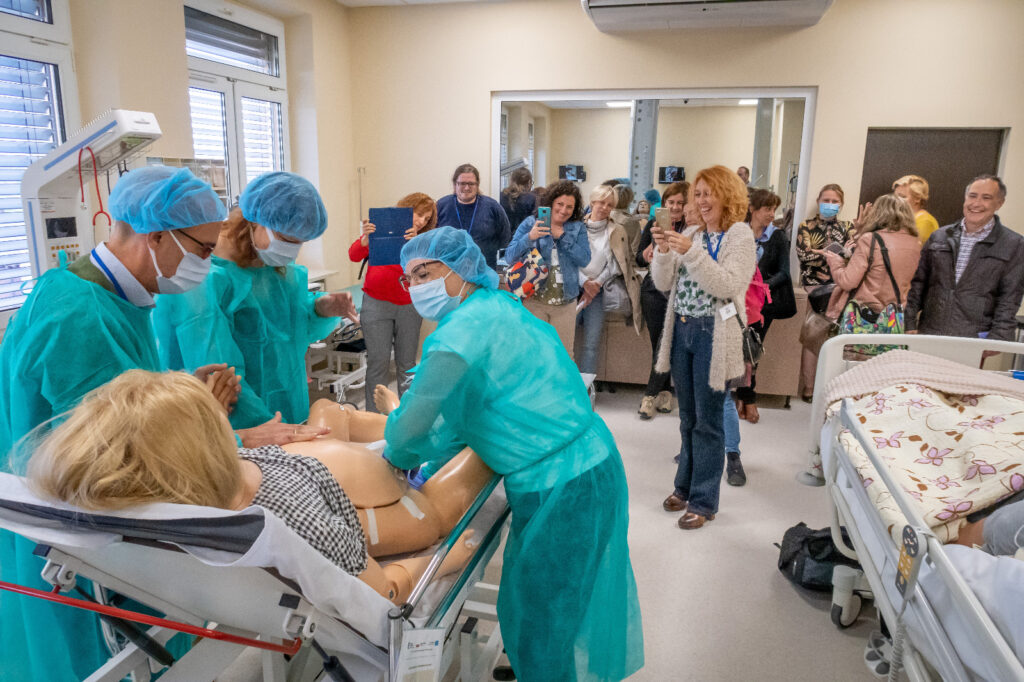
{"type": "Point", "coordinates": [561, 237]}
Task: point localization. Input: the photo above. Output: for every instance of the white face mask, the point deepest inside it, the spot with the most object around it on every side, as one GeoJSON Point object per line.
{"type": "Point", "coordinates": [191, 272]}
{"type": "Point", "coordinates": [278, 252]}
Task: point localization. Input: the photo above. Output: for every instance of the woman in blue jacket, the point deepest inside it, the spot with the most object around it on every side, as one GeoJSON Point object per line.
{"type": "Point", "coordinates": [565, 248]}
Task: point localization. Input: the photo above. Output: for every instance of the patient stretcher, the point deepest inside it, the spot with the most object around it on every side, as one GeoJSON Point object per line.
{"type": "Point", "coordinates": [248, 577]}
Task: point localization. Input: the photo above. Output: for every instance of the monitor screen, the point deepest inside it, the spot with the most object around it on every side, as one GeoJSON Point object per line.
{"type": "Point", "coordinates": [669, 174]}
{"type": "Point", "coordinates": [574, 173]}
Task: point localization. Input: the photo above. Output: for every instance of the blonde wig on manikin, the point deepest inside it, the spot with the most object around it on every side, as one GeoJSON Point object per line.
{"type": "Point", "coordinates": [142, 437]}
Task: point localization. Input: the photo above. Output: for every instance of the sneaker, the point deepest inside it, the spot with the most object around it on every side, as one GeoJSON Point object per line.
{"type": "Point", "coordinates": [734, 470]}
{"type": "Point", "coordinates": [647, 409]}
{"type": "Point", "coordinates": [663, 402]}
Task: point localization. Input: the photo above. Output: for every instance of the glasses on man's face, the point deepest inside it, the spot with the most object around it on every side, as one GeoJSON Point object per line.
{"type": "Point", "coordinates": [205, 249]}
{"type": "Point", "coordinates": [419, 275]}
{"type": "Point", "coordinates": [466, 185]}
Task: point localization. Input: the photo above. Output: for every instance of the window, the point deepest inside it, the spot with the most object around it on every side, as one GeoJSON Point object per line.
{"type": "Point", "coordinates": [529, 146]}
{"type": "Point", "coordinates": [505, 177]}
{"type": "Point", "coordinates": [236, 92]}
{"type": "Point", "coordinates": [37, 10]}
{"type": "Point", "coordinates": [218, 40]}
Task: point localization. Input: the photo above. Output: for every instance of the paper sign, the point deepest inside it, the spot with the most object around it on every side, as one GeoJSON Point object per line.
{"type": "Point", "coordinates": [420, 658]}
{"type": "Point", "coordinates": [387, 241]}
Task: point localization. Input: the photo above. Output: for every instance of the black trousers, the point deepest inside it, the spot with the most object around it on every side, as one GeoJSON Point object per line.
{"type": "Point", "coordinates": [747, 394]}
{"type": "Point", "coordinates": [653, 303]}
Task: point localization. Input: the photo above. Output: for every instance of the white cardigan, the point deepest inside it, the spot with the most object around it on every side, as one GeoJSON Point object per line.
{"type": "Point", "coordinates": [727, 279]}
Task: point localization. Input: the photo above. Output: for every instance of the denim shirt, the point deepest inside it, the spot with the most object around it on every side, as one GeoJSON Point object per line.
{"type": "Point", "coordinates": [573, 251]}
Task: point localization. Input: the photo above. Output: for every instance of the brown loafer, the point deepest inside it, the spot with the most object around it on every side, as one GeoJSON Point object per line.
{"type": "Point", "coordinates": [673, 503]}
{"type": "Point", "coordinates": [692, 521]}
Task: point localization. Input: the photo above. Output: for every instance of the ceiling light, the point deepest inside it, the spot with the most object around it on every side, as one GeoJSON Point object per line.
{"type": "Point", "coordinates": [618, 105]}
{"type": "Point", "coordinates": [748, 102]}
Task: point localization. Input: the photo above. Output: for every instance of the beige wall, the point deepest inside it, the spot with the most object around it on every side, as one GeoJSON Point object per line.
{"type": "Point", "coordinates": [450, 58]}
{"type": "Point", "coordinates": [406, 91]}
{"type": "Point", "coordinates": [698, 137]}
{"type": "Point", "coordinates": [597, 139]}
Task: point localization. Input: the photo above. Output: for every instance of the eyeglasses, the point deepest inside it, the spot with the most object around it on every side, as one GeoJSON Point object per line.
{"type": "Point", "coordinates": [466, 185]}
{"type": "Point", "coordinates": [419, 275]}
{"type": "Point", "coordinates": [205, 248]}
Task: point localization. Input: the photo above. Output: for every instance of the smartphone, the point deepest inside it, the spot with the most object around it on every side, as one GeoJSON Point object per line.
{"type": "Point", "coordinates": [836, 248]}
{"type": "Point", "coordinates": [544, 215]}
{"type": "Point", "coordinates": [663, 217]}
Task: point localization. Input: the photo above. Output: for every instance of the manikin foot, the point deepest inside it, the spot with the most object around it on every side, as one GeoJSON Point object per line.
{"type": "Point", "coordinates": [385, 399]}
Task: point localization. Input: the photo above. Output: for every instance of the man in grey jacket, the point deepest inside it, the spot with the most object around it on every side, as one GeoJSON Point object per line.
{"type": "Point", "coordinates": [970, 279]}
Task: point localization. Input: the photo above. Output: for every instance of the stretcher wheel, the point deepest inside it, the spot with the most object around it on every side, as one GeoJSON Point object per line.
{"type": "Point", "coordinates": [842, 617]}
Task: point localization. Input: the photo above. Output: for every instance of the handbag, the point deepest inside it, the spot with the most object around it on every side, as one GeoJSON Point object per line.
{"type": "Point", "coordinates": [858, 318]}
{"type": "Point", "coordinates": [753, 349]}
{"type": "Point", "coordinates": [615, 298]}
{"type": "Point", "coordinates": [816, 330]}
{"type": "Point", "coordinates": [528, 275]}
{"type": "Point", "coordinates": [818, 298]}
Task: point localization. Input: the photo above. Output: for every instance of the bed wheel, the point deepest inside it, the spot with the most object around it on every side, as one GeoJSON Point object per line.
{"type": "Point", "coordinates": [843, 618]}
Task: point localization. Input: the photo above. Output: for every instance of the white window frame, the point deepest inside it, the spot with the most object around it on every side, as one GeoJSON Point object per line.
{"type": "Point", "coordinates": [254, 20]}
{"type": "Point", "coordinates": [43, 46]}
{"type": "Point", "coordinates": [234, 83]}
{"type": "Point", "coordinates": [57, 32]}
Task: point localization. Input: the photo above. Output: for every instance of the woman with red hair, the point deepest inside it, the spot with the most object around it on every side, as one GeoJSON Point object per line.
{"type": "Point", "coordinates": [705, 269]}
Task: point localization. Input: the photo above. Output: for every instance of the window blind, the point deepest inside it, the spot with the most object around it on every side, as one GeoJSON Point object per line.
{"type": "Point", "coordinates": [225, 42]}
{"type": "Point", "coordinates": [37, 10]}
{"type": "Point", "coordinates": [30, 126]}
{"type": "Point", "coordinates": [261, 137]}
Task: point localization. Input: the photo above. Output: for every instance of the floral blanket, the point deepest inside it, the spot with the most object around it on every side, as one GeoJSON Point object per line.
{"type": "Point", "coordinates": [953, 454]}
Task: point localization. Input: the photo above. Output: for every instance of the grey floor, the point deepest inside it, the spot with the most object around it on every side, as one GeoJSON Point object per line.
{"type": "Point", "coordinates": [715, 607]}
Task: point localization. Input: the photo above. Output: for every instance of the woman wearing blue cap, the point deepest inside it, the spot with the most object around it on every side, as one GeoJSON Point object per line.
{"type": "Point", "coordinates": [496, 379]}
{"type": "Point", "coordinates": [255, 312]}
{"type": "Point", "coordinates": [80, 327]}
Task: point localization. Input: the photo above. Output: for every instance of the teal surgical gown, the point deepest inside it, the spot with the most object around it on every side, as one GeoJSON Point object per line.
{"type": "Point", "coordinates": [497, 379]}
{"type": "Point", "coordinates": [258, 320]}
{"type": "Point", "coordinates": [71, 336]}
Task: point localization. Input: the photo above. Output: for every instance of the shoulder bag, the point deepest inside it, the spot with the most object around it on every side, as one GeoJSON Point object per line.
{"type": "Point", "coordinates": [528, 275]}
{"type": "Point", "coordinates": [858, 318]}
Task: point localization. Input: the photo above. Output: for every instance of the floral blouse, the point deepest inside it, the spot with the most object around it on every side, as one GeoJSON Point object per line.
{"type": "Point", "coordinates": [691, 300]}
{"type": "Point", "coordinates": [818, 233]}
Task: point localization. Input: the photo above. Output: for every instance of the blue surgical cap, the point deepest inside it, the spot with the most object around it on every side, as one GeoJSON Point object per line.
{"type": "Point", "coordinates": [285, 203]}
{"type": "Point", "coordinates": [157, 198]}
{"type": "Point", "coordinates": [454, 248]}
{"type": "Point", "coordinates": [652, 196]}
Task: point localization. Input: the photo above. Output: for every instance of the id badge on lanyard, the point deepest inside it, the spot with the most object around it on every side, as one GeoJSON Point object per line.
{"type": "Point", "coordinates": [559, 278]}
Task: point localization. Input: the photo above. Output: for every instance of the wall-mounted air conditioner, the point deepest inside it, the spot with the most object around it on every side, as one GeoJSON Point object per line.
{"type": "Point", "coordinates": [612, 16]}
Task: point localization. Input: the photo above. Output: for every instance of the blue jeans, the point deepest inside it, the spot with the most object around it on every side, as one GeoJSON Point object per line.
{"type": "Point", "coordinates": [731, 425]}
{"type": "Point", "coordinates": [702, 447]}
{"type": "Point", "coordinates": [592, 319]}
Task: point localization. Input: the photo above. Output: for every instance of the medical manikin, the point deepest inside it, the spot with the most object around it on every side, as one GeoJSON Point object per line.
{"type": "Point", "coordinates": [162, 437]}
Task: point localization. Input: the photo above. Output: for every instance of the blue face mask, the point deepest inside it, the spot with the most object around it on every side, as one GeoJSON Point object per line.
{"type": "Point", "coordinates": [828, 211]}
{"type": "Point", "coordinates": [432, 300]}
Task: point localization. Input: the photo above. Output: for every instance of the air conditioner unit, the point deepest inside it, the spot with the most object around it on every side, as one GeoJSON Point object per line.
{"type": "Point", "coordinates": [611, 16]}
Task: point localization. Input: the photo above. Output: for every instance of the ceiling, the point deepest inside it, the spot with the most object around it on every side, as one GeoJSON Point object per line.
{"type": "Point", "coordinates": [602, 104]}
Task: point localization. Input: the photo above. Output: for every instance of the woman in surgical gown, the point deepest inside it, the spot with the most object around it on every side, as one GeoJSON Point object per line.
{"type": "Point", "coordinates": [255, 311]}
{"type": "Point", "coordinates": [495, 378]}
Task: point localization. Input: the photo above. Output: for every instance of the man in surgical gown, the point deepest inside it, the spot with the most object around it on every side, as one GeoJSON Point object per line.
{"type": "Point", "coordinates": [80, 327]}
{"type": "Point", "coordinates": [255, 311]}
{"type": "Point", "coordinates": [497, 379]}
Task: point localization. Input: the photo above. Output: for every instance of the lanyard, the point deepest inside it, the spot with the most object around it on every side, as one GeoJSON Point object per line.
{"type": "Point", "coordinates": [110, 275]}
{"type": "Point", "coordinates": [718, 247]}
{"type": "Point", "coordinates": [458, 215]}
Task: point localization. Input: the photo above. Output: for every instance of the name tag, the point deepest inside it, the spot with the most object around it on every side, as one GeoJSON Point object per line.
{"type": "Point", "coordinates": [727, 311]}
{"type": "Point", "coordinates": [558, 277]}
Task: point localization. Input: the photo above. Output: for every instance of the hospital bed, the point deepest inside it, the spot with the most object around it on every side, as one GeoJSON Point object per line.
{"type": "Point", "coordinates": [332, 367]}
{"type": "Point", "coordinates": [243, 579]}
{"type": "Point", "coordinates": [940, 629]}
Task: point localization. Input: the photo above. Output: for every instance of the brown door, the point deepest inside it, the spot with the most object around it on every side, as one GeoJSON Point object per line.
{"type": "Point", "coordinates": [948, 158]}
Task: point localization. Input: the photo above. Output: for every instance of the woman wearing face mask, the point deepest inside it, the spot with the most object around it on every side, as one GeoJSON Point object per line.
{"type": "Point", "coordinates": [564, 246]}
{"type": "Point", "coordinates": [814, 235]}
{"type": "Point", "coordinates": [495, 379]}
{"type": "Point", "coordinates": [255, 311]}
{"type": "Point", "coordinates": [387, 315]}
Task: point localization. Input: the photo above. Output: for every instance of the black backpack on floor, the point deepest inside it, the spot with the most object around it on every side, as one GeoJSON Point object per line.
{"type": "Point", "coordinates": [807, 557]}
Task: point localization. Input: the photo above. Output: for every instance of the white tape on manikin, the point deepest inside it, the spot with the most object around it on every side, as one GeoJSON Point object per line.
{"type": "Point", "coordinates": [411, 506]}
{"type": "Point", "coordinates": [371, 526]}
